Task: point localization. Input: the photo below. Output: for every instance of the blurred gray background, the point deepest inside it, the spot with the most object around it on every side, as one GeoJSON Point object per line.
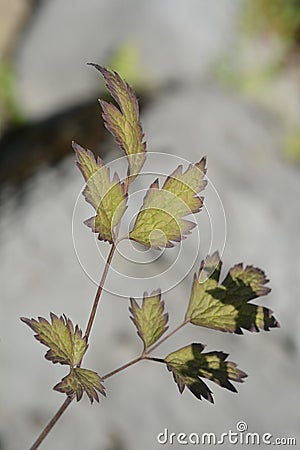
{"type": "Point", "coordinates": [218, 78]}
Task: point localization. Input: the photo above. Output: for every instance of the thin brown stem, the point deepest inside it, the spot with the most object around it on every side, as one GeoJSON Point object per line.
{"type": "Point", "coordinates": [103, 278]}
{"type": "Point", "coordinates": [145, 354]}
{"type": "Point", "coordinates": [167, 336]}
{"type": "Point", "coordinates": [150, 358]}
{"type": "Point", "coordinates": [92, 316]}
{"type": "Point", "coordinates": [126, 187]}
{"type": "Point", "coordinates": [98, 293]}
{"type": "Point", "coordinates": [119, 369]}
{"type": "Point", "coordinates": [68, 400]}
{"type": "Point", "coordinates": [51, 424]}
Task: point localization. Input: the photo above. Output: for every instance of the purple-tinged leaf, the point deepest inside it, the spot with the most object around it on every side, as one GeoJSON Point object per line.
{"type": "Point", "coordinates": [160, 221]}
{"type": "Point", "coordinates": [66, 344]}
{"type": "Point", "coordinates": [105, 195]}
{"type": "Point", "coordinates": [226, 306]}
{"type": "Point", "coordinates": [79, 381]}
{"type": "Point", "coordinates": [189, 365]}
{"type": "Point", "coordinates": [149, 319]}
{"type": "Point", "coordinates": [124, 123]}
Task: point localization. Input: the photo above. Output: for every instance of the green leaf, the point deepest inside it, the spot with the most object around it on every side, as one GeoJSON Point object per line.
{"type": "Point", "coordinates": [189, 365]}
{"type": "Point", "coordinates": [149, 319]}
{"type": "Point", "coordinates": [107, 197]}
{"type": "Point", "coordinates": [124, 123]}
{"type": "Point", "coordinates": [66, 344]}
{"type": "Point", "coordinates": [160, 220]}
{"type": "Point", "coordinates": [225, 306]}
{"type": "Point", "coordinates": [79, 381]}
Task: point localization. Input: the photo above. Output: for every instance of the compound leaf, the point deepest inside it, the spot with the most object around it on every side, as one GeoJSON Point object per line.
{"type": "Point", "coordinates": [226, 306]}
{"type": "Point", "coordinates": [79, 381]}
{"type": "Point", "coordinates": [149, 319]}
{"type": "Point", "coordinates": [124, 123]}
{"type": "Point", "coordinates": [160, 220]}
{"type": "Point", "coordinates": [105, 195]}
{"type": "Point", "coordinates": [66, 344]}
{"type": "Point", "coordinates": [189, 365]}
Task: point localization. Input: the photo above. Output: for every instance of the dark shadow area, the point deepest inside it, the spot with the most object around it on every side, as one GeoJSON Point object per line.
{"type": "Point", "coordinates": [238, 293]}
{"type": "Point", "coordinates": [25, 148]}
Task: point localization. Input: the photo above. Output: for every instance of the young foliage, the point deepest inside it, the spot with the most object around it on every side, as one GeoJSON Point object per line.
{"type": "Point", "coordinates": [79, 381]}
{"type": "Point", "coordinates": [160, 220]}
{"type": "Point", "coordinates": [189, 365]}
{"type": "Point", "coordinates": [66, 344]}
{"type": "Point", "coordinates": [124, 123]}
{"type": "Point", "coordinates": [105, 195]}
{"type": "Point", "coordinates": [226, 306]}
{"type": "Point", "coordinates": [149, 319]}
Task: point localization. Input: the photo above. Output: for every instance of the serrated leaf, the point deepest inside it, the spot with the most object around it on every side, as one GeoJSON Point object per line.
{"type": "Point", "coordinates": [225, 306]}
{"type": "Point", "coordinates": [124, 123]}
{"type": "Point", "coordinates": [105, 195]}
{"type": "Point", "coordinates": [160, 221]}
{"type": "Point", "coordinates": [66, 344]}
{"type": "Point", "coordinates": [189, 365]}
{"type": "Point", "coordinates": [149, 319]}
{"type": "Point", "coordinates": [79, 381]}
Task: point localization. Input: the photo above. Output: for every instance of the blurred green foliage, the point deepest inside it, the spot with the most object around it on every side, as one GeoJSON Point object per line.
{"type": "Point", "coordinates": [292, 146]}
{"type": "Point", "coordinates": [126, 61]}
{"type": "Point", "coordinates": [246, 80]}
{"type": "Point", "coordinates": [9, 110]}
{"type": "Point", "coordinates": [281, 17]}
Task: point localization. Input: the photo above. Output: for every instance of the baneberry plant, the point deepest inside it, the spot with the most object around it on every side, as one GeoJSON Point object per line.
{"type": "Point", "coordinates": [161, 223]}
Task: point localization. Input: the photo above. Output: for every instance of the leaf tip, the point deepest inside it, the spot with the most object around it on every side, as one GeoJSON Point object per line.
{"type": "Point", "coordinates": [27, 321]}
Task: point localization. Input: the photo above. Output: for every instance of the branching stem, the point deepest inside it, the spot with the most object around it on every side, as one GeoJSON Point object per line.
{"type": "Point", "coordinates": [167, 336]}
{"type": "Point", "coordinates": [68, 400]}
{"type": "Point", "coordinates": [119, 369]}
{"type": "Point", "coordinates": [143, 356]}
{"type": "Point", "coordinates": [86, 173]}
{"type": "Point", "coordinates": [99, 291]}
{"type": "Point", "coordinates": [151, 358]}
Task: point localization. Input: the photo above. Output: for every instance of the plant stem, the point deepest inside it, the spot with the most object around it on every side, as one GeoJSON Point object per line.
{"type": "Point", "coordinates": [103, 278]}
{"type": "Point", "coordinates": [119, 369]}
{"type": "Point", "coordinates": [92, 316]}
{"type": "Point", "coordinates": [126, 187]}
{"type": "Point", "coordinates": [143, 356]}
{"type": "Point", "coordinates": [68, 400]}
{"type": "Point", "coordinates": [150, 358]}
{"type": "Point", "coordinates": [98, 293]}
{"type": "Point", "coordinates": [52, 422]}
{"type": "Point", "coordinates": [146, 354]}
{"type": "Point", "coordinates": [167, 336]}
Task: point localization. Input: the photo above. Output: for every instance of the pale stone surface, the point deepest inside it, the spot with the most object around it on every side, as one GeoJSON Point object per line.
{"type": "Point", "coordinates": [176, 41]}
{"type": "Point", "coordinates": [40, 272]}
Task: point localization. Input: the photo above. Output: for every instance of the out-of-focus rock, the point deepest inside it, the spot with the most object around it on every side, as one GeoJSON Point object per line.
{"type": "Point", "coordinates": [175, 40]}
